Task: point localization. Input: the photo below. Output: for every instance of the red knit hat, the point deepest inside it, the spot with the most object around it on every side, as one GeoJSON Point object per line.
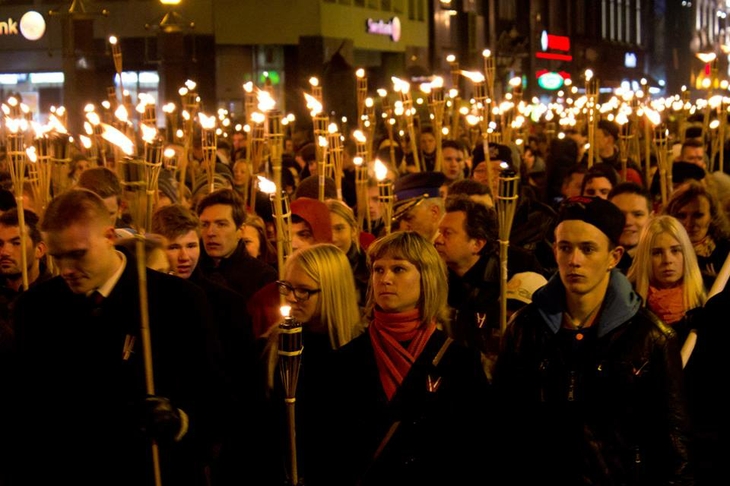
{"type": "Point", "coordinates": [317, 215]}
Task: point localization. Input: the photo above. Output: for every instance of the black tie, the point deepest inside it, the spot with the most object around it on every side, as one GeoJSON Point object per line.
{"type": "Point", "coordinates": [96, 300]}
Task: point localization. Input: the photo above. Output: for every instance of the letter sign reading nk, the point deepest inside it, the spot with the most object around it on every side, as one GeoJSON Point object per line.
{"type": "Point", "coordinates": [8, 28]}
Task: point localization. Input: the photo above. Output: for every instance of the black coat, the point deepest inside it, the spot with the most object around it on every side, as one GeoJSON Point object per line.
{"type": "Point", "coordinates": [442, 437]}
{"type": "Point", "coordinates": [581, 410]}
{"type": "Point", "coordinates": [77, 394]}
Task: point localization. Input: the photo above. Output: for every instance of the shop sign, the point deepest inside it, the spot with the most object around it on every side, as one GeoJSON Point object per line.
{"type": "Point", "coordinates": [391, 28]}
{"type": "Point", "coordinates": [32, 26]}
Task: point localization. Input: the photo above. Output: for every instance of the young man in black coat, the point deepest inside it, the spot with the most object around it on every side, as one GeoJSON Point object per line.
{"type": "Point", "coordinates": [86, 414]}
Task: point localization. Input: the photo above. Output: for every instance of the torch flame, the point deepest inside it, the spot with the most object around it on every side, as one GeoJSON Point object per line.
{"type": "Point", "coordinates": [266, 102]}
{"type": "Point", "coordinates": [266, 186]}
{"type": "Point", "coordinates": [285, 310]}
{"type": "Point", "coordinates": [148, 133]}
{"type": "Point", "coordinates": [381, 171]}
{"type": "Point", "coordinates": [359, 136]}
{"type": "Point", "coordinates": [313, 104]}
{"type": "Point", "coordinates": [115, 137]}
{"type": "Point", "coordinates": [207, 122]}
{"type": "Point", "coordinates": [474, 76]}
{"type": "Point", "coordinates": [85, 141]}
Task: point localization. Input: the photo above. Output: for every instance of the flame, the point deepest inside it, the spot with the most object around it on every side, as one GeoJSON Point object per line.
{"type": "Point", "coordinates": [381, 171]}
{"type": "Point", "coordinates": [169, 152]}
{"type": "Point", "coordinates": [115, 137]}
{"type": "Point", "coordinates": [121, 113]}
{"type": "Point", "coordinates": [359, 136]}
{"type": "Point", "coordinates": [31, 153]}
{"type": "Point", "coordinates": [653, 116]}
{"type": "Point", "coordinates": [474, 76]}
{"type": "Point", "coordinates": [207, 122]}
{"type": "Point", "coordinates": [332, 128]}
{"type": "Point", "coordinates": [360, 73]}
{"type": "Point", "coordinates": [357, 161]}
{"type": "Point", "coordinates": [400, 86]}
{"type": "Point", "coordinates": [266, 102]}
{"type": "Point", "coordinates": [486, 53]}
{"type": "Point", "coordinates": [169, 108]}
{"type": "Point", "coordinates": [149, 133]}
{"type": "Point", "coordinates": [285, 310]}
{"type": "Point", "coordinates": [248, 87]}
{"type": "Point", "coordinates": [314, 81]}
{"type": "Point", "coordinates": [437, 82]}
{"type": "Point", "coordinates": [313, 104]}
{"type": "Point", "coordinates": [266, 186]}
{"type": "Point", "coordinates": [191, 85]}
{"type": "Point", "coordinates": [85, 141]}
{"type": "Point", "coordinates": [257, 117]}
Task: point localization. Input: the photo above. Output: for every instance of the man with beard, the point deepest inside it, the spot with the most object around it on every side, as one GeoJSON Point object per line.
{"type": "Point", "coordinates": [11, 245]}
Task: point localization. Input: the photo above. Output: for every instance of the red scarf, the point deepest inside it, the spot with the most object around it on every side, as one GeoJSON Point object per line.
{"type": "Point", "coordinates": [668, 304]}
{"type": "Point", "coordinates": [387, 333]}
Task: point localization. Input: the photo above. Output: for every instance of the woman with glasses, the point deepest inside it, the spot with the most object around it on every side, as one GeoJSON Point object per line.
{"type": "Point", "coordinates": [412, 403]}
{"type": "Point", "coordinates": [319, 286]}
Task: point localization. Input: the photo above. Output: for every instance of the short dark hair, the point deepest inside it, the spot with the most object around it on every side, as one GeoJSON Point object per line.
{"type": "Point", "coordinates": [454, 144]}
{"type": "Point", "coordinates": [600, 170]}
{"type": "Point", "coordinates": [10, 218]}
{"type": "Point", "coordinates": [469, 187]}
{"type": "Point", "coordinates": [629, 187]}
{"type": "Point", "coordinates": [227, 197]}
{"type": "Point", "coordinates": [74, 206]}
{"type": "Point", "coordinates": [101, 180]}
{"type": "Point", "coordinates": [480, 221]}
{"type": "Point", "coordinates": [174, 221]}
{"type": "Point", "coordinates": [691, 143]}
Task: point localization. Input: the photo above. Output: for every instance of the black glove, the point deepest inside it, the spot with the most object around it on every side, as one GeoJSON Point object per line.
{"type": "Point", "coordinates": [160, 421]}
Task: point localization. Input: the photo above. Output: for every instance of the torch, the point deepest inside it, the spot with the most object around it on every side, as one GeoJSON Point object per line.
{"type": "Point", "coordinates": [117, 57]}
{"type": "Point", "coordinates": [623, 142]}
{"type": "Point", "coordinates": [506, 205]}
{"type": "Point", "coordinates": [361, 179]}
{"type": "Point", "coordinates": [660, 141]}
{"type": "Point", "coordinates": [362, 94]}
{"type": "Point", "coordinates": [152, 165]}
{"type": "Point", "coordinates": [135, 180]}
{"type": "Point", "coordinates": [385, 193]}
{"type": "Point", "coordinates": [190, 103]}
{"type": "Point", "coordinates": [592, 120]}
{"type": "Point", "coordinates": [290, 356]}
{"type": "Point", "coordinates": [282, 220]}
{"type": "Point", "coordinates": [482, 101]}
{"type": "Point", "coordinates": [404, 88]}
{"type": "Point", "coordinates": [454, 95]}
{"type": "Point", "coordinates": [17, 157]}
{"type": "Point", "coordinates": [42, 168]}
{"type": "Point", "coordinates": [436, 103]}
{"type": "Point", "coordinates": [210, 145]}
{"type": "Point", "coordinates": [320, 132]}
{"type": "Point", "coordinates": [489, 71]}
{"type": "Point", "coordinates": [389, 122]}
{"type": "Point", "coordinates": [334, 142]}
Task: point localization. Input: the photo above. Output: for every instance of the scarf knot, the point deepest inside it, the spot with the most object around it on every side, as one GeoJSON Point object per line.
{"type": "Point", "coordinates": [398, 339]}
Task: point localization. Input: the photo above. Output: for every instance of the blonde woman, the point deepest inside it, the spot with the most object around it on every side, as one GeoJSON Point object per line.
{"type": "Point", "coordinates": [346, 236]}
{"type": "Point", "coordinates": [413, 400]}
{"type": "Point", "coordinates": [666, 275]}
{"type": "Point", "coordinates": [319, 286]}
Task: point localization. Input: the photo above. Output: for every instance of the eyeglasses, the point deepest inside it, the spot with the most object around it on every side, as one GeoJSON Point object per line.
{"type": "Point", "coordinates": [300, 294]}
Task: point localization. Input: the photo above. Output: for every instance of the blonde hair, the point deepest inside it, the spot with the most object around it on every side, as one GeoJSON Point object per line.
{"type": "Point", "coordinates": [337, 306]}
{"type": "Point", "coordinates": [641, 274]}
{"type": "Point", "coordinates": [345, 212]}
{"type": "Point", "coordinates": [415, 249]}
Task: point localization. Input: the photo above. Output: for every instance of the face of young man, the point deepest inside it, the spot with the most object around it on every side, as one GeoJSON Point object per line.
{"type": "Point", "coordinates": [84, 255]}
{"type": "Point", "coordinates": [10, 252]}
{"type": "Point", "coordinates": [572, 187]}
{"type": "Point", "coordinates": [453, 244]}
{"type": "Point", "coordinates": [219, 231]}
{"type": "Point", "coordinates": [183, 253]}
{"type": "Point", "coordinates": [453, 163]}
{"type": "Point", "coordinates": [583, 257]}
{"type": "Point", "coordinates": [637, 212]}
{"type": "Point", "coordinates": [598, 187]}
{"type": "Point", "coordinates": [694, 155]}
{"type": "Point", "coordinates": [428, 143]}
{"type": "Point", "coordinates": [301, 235]}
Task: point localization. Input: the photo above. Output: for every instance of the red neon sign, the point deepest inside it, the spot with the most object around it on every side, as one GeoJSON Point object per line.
{"type": "Point", "coordinates": [555, 57]}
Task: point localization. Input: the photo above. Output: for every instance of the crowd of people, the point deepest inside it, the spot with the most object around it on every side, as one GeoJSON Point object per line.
{"type": "Point", "coordinates": [130, 355]}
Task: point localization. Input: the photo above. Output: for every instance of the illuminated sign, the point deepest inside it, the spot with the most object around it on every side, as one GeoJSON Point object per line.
{"type": "Point", "coordinates": [549, 42]}
{"type": "Point", "coordinates": [391, 28]}
{"type": "Point", "coordinates": [31, 26]}
{"type": "Point", "coordinates": [630, 60]}
{"type": "Point", "coordinates": [551, 80]}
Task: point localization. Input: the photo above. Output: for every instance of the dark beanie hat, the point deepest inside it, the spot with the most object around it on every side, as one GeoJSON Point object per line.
{"type": "Point", "coordinates": [309, 187]}
{"type": "Point", "coordinates": [683, 171]}
{"type": "Point", "coordinates": [609, 127]}
{"type": "Point", "coordinates": [317, 215]}
{"type": "Point", "coordinates": [601, 213]}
